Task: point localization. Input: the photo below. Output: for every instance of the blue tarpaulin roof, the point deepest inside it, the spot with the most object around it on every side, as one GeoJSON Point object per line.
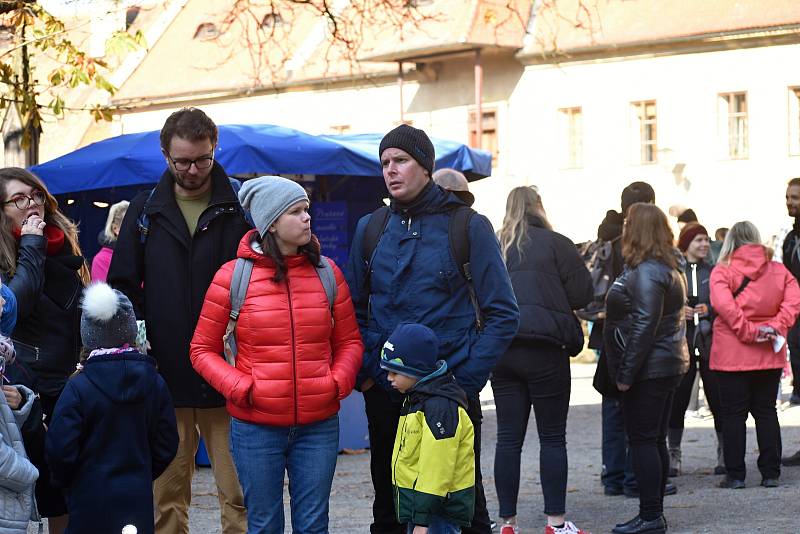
{"type": "Point", "coordinates": [135, 159]}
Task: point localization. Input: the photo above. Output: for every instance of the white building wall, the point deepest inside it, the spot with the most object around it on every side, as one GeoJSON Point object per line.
{"type": "Point", "coordinates": [685, 88]}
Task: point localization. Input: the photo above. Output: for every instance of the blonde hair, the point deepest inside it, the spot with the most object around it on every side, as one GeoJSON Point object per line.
{"type": "Point", "coordinates": [522, 202]}
{"type": "Point", "coordinates": [9, 244]}
{"type": "Point", "coordinates": [741, 233]}
{"type": "Point", "coordinates": [115, 215]}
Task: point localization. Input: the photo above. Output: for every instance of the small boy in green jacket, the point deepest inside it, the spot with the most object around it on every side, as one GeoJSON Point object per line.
{"type": "Point", "coordinates": [433, 462]}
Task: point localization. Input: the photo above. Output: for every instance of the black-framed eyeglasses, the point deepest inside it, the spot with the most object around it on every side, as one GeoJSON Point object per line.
{"type": "Point", "coordinates": [23, 202]}
{"type": "Point", "coordinates": [185, 164]}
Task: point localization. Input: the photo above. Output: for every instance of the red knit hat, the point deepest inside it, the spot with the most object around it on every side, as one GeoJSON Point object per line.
{"type": "Point", "coordinates": [689, 232]}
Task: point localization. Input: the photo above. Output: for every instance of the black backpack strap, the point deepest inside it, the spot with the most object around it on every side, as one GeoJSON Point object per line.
{"type": "Point", "coordinates": [143, 221]}
{"type": "Point", "coordinates": [372, 235]}
{"type": "Point", "coordinates": [458, 235]}
{"type": "Point", "coordinates": [741, 287]}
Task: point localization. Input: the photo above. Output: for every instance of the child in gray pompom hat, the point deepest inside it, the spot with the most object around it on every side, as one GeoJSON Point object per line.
{"type": "Point", "coordinates": [267, 197]}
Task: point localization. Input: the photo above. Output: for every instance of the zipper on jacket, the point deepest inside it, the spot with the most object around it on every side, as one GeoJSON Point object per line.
{"type": "Point", "coordinates": [294, 355]}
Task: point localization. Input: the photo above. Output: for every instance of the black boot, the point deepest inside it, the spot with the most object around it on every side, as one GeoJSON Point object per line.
{"type": "Point", "coordinates": [637, 525]}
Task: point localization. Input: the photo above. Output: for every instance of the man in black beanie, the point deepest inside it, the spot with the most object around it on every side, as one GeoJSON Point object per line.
{"type": "Point", "coordinates": [410, 276]}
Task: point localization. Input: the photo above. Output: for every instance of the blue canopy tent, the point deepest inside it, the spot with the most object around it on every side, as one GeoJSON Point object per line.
{"type": "Point", "coordinates": [87, 180]}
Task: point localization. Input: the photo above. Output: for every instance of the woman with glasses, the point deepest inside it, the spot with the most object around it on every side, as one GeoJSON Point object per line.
{"type": "Point", "coordinates": [42, 263]}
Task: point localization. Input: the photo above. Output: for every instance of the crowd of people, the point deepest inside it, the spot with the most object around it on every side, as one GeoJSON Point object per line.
{"type": "Point", "coordinates": [211, 312]}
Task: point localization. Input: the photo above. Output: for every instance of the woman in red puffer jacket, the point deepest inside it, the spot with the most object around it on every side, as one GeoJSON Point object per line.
{"type": "Point", "coordinates": [297, 358]}
{"type": "Point", "coordinates": [756, 300]}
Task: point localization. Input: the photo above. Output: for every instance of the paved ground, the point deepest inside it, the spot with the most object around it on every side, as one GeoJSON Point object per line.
{"type": "Point", "coordinates": [698, 507]}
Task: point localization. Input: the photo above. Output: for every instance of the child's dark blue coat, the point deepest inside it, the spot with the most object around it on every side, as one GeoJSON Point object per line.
{"type": "Point", "coordinates": [113, 432]}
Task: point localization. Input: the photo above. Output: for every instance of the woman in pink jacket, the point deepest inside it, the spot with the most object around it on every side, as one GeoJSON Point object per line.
{"type": "Point", "coordinates": [756, 300]}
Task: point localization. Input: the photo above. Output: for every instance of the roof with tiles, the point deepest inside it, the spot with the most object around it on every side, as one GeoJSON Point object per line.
{"type": "Point", "coordinates": [565, 26]}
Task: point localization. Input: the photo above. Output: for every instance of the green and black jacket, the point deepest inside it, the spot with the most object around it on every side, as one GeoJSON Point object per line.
{"type": "Point", "coordinates": [433, 463]}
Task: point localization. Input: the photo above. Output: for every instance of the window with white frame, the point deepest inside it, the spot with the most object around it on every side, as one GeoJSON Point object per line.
{"type": "Point", "coordinates": [571, 137]}
{"type": "Point", "coordinates": [794, 121]}
{"type": "Point", "coordinates": [645, 133]}
{"type": "Point", "coordinates": [733, 124]}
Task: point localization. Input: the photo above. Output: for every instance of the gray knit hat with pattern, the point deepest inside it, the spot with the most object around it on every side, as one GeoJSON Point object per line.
{"type": "Point", "coordinates": [267, 197]}
{"type": "Point", "coordinates": [108, 320]}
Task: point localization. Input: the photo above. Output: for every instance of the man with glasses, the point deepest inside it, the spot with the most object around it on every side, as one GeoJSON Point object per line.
{"type": "Point", "coordinates": [165, 265]}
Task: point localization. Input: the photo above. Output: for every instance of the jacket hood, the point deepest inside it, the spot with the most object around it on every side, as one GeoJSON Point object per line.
{"type": "Point", "coordinates": [611, 227]}
{"type": "Point", "coordinates": [124, 378]}
{"type": "Point", "coordinates": [247, 250]}
{"type": "Point", "coordinates": [432, 199]}
{"type": "Point", "coordinates": [441, 383]}
{"type": "Point", "coordinates": [750, 260]}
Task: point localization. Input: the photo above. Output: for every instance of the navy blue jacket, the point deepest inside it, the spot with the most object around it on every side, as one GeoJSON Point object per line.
{"type": "Point", "coordinates": [415, 279]}
{"type": "Point", "coordinates": [113, 432]}
{"type": "Point", "coordinates": [550, 280]}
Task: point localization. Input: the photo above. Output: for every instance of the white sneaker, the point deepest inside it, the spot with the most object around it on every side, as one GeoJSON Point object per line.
{"type": "Point", "coordinates": [568, 528]}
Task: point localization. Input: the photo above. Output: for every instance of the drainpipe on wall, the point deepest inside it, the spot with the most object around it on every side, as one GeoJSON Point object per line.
{"type": "Point", "coordinates": [400, 86]}
{"type": "Point", "coordinates": [478, 99]}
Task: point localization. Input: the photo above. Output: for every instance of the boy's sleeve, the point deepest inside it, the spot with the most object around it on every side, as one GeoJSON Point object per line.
{"type": "Point", "coordinates": [62, 444]}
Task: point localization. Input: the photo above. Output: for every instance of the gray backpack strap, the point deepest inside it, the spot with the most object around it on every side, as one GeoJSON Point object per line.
{"type": "Point", "coordinates": [328, 279]}
{"type": "Point", "coordinates": [239, 283]}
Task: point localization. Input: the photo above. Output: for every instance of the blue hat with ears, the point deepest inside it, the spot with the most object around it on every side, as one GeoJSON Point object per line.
{"type": "Point", "coordinates": [411, 350]}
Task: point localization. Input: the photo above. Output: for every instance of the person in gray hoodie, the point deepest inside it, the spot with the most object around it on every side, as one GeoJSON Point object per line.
{"type": "Point", "coordinates": [17, 474]}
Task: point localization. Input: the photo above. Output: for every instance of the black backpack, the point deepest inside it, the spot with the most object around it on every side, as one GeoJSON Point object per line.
{"type": "Point", "coordinates": [458, 235]}
{"type": "Point", "coordinates": [599, 258]}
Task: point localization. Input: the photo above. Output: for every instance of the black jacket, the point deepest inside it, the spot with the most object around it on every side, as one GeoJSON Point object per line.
{"type": "Point", "coordinates": [609, 230]}
{"type": "Point", "coordinates": [791, 250]}
{"type": "Point", "coordinates": [48, 290]}
{"type": "Point", "coordinates": [112, 435]}
{"type": "Point", "coordinates": [645, 328]}
{"type": "Point", "coordinates": [699, 337]}
{"type": "Point", "coordinates": [550, 280]}
{"type": "Point", "coordinates": [176, 270]}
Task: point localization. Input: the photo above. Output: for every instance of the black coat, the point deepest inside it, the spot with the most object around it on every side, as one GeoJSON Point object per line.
{"type": "Point", "coordinates": [645, 328]}
{"type": "Point", "coordinates": [113, 434]}
{"type": "Point", "coordinates": [550, 280]}
{"type": "Point", "coordinates": [48, 291]}
{"type": "Point", "coordinates": [699, 337]}
{"type": "Point", "coordinates": [176, 270]}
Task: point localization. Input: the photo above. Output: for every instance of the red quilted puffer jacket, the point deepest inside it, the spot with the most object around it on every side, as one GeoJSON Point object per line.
{"type": "Point", "coordinates": [294, 364]}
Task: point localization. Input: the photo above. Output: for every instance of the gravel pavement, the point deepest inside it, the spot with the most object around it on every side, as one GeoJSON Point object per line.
{"type": "Point", "coordinates": [698, 507]}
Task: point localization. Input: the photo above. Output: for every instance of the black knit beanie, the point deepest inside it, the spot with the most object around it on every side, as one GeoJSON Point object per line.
{"type": "Point", "coordinates": [414, 142]}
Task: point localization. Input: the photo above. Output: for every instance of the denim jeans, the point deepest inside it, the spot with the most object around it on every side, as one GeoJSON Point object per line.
{"type": "Point", "coordinates": [264, 454]}
{"type": "Point", "coordinates": [439, 525]}
{"type": "Point", "coordinates": [531, 375]}
{"type": "Point", "coordinates": [617, 467]}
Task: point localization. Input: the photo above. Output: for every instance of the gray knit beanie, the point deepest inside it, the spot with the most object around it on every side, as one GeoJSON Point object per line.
{"type": "Point", "coordinates": [107, 320]}
{"type": "Point", "coordinates": [267, 197]}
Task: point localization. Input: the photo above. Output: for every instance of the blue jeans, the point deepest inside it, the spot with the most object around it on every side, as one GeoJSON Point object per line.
{"type": "Point", "coordinates": [617, 466]}
{"type": "Point", "coordinates": [439, 525]}
{"type": "Point", "coordinates": [263, 454]}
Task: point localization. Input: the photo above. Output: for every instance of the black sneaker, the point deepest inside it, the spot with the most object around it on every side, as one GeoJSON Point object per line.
{"type": "Point", "coordinates": [770, 482]}
{"type": "Point", "coordinates": [792, 461]}
{"type": "Point", "coordinates": [731, 483]}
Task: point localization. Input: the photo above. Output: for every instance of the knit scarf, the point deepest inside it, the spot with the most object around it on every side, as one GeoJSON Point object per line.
{"type": "Point", "coordinates": [54, 235]}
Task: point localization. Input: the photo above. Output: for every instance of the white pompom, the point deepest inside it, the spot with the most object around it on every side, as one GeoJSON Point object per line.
{"type": "Point", "coordinates": [100, 302]}
{"type": "Point", "coordinates": [129, 529]}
